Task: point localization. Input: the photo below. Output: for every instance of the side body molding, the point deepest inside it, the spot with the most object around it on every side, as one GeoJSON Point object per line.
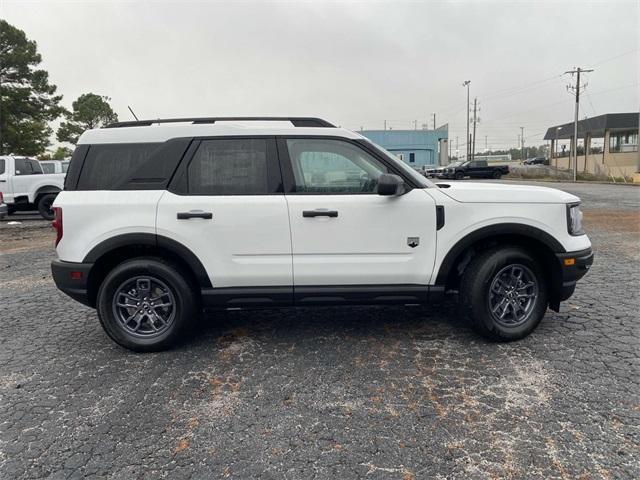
{"type": "Point", "coordinates": [502, 229]}
{"type": "Point", "coordinates": [151, 240]}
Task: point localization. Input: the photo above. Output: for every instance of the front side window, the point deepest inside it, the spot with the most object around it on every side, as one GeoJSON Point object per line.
{"type": "Point", "coordinates": [22, 167]}
{"type": "Point", "coordinates": [328, 166]}
{"type": "Point", "coordinates": [229, 167]}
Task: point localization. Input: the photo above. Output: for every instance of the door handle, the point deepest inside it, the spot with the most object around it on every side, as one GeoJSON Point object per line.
{"type": "Point", "coordinates": [195, 214]}
{"type": "Point", "coordinates": [319, 213]}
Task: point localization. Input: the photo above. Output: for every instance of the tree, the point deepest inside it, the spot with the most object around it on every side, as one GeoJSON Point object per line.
{"type": "Point", "coordinates": [89, 111]}
{"type": "Point", "coordinates": [61, 153]}
{"type": "Point", "coordinates": [27, 100]}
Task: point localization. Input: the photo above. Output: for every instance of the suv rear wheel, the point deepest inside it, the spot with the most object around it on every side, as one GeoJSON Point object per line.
{"type": "Point", "coordinates": [146, 304]}
{"type": "Point", "coordinates": [504, 294]}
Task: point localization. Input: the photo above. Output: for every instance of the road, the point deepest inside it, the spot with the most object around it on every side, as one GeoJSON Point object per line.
{"type": "Point", "coordinates": [376, 393]}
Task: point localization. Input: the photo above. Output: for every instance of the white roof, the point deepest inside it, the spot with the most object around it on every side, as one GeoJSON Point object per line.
{"type": "Point", "coordinates": [162, 132]}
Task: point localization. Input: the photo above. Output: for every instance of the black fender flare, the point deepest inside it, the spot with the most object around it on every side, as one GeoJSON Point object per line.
{"type": "Point", "coordinates": [44, 190]}
{"type": "Point", "coordinates": [152, 240]}
{"type": "Point", "coordinates": [517, 229]}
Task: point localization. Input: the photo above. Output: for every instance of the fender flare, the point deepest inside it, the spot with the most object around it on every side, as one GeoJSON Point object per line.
{"type": "Point", "coordinates": [489, 231]}
{"type": "Point", "coordinates": [152, 240]}
{"type": "Point", "coordinates": [43, 189]}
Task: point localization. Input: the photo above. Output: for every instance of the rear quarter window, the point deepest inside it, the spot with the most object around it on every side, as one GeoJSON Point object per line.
{"type": "Point", "coordinates": [109, 164]}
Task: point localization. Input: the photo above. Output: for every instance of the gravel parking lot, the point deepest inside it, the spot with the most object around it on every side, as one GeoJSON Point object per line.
{"type": "Point", "coordinates": [374, 393]}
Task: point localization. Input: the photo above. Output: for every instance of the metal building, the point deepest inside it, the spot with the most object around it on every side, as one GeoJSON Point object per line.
{"type": "Point", "coordinates": [417, 148]}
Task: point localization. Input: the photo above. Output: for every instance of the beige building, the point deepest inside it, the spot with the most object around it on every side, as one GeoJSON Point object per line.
{"type": "Point", "coordinates": [619, 155]}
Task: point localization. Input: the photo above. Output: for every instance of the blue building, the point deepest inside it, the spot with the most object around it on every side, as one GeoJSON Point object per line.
{"type": "Point", "coordinates": [417, 148]}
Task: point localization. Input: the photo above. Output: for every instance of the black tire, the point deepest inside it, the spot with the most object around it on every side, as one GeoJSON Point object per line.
{"type": "Point", "coordinates": [496, 175]}
{"type": "Point", "coordinates": [459, 176]}
{"type": "Point", "coordinates": [184, 313]}
{"type": "Point", "coordinates": [476, 294]}
{"type": "Point", "coordinates": [45, 205]}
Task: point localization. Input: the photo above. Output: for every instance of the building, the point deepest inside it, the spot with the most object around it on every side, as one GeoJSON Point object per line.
{"type": "Point", "coordinates": [417, 148]}
{"type": "Point", "coordinates": [619, 155]}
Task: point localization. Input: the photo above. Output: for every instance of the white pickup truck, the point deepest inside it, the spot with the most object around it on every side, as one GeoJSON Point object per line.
{"type": "Point", "coordinates": [25, 186]}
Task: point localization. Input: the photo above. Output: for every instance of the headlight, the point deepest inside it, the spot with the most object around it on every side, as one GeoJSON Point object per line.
{"type": "Point", "coordinates": [574, 219]}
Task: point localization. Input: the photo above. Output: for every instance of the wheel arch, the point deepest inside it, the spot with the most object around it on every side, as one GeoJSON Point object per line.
{"type": "Point", "coordinates": [43, 190]}
{"type": "Point", "coordinates": [115, 250]}
{"type": "Point", "coordinates": [540, 243]}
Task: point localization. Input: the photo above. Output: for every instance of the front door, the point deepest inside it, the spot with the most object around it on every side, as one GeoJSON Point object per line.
{"type": "Point", "coordinates": [342, 231]}
{"type": "Point", "coordinates": [226, 205]}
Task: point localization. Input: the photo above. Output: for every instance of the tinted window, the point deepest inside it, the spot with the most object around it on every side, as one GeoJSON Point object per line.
{"type": "Point", "coordinates": [25, 166]}
{"type": "Point", "coordinates": [229, 167]}
{"type": "Point", "coordinates": [412, 158]}
{"type": "Point", "coordinates": [2, 167]}
{"type": "Point", "coordinates": [108, 164]}
{"type": "Point", "coordinates": [48, 167]}
{"type": "Point", "coordinates": [65, 167]}
{"type": "Point", "coordinates": [333, 166]}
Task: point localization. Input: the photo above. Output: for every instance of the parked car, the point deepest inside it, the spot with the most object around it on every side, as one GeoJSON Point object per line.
{"type": "Point", "coordinates": [25, 186]}
{"type": "Point", "coordinates": [536, 161]}
{"type": "Point", "coordinates": [54, 166]}
{"type": "Point", "coordinates": [474, 169]}
{"type": "Point", "coordinates": [436, 172]}
{"type": "Point", "coordinates": [4, 210]}
{"type": "Point", "coordinates": [158, 222]}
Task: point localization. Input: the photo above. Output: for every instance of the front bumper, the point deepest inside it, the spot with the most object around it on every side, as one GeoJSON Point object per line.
{"type": "Point", "coordinates": [573, 266]}
{"type": "Point", "coordinates": [73, 279]}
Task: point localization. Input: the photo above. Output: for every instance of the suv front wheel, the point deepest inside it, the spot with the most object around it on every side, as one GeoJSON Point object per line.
{"type": "Point", "coordinates": [504, 293]}
{"type": "Point", "coordinates": [146, 304]}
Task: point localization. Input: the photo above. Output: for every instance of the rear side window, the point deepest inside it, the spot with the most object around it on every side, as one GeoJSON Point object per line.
{"type": "Point", "coordinates": [107, 164]}
{"type": "Point", "coordinates": [229, 167]}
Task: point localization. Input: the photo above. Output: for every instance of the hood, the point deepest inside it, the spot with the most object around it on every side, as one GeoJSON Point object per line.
{"type": "Point", "coordinates": [474, 192]}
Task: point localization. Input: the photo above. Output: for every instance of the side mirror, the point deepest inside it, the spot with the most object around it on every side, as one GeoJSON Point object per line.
{"type": "Point", "coordinates": [390, 185]}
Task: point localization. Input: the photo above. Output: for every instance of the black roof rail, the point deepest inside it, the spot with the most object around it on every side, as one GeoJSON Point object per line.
{"type": "Point", "coordinates": [296, 121]}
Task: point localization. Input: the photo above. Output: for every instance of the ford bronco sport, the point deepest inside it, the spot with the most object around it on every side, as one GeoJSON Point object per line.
{"type": "Point", "coordinates": [161, 219]}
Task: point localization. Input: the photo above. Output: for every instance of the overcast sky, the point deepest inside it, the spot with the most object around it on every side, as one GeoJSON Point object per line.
{"type": "Point", "coordinates": [353, 63]}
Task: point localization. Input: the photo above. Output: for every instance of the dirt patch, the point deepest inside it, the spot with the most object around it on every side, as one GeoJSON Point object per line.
{"type": "Point", "coordinates": [612, 220]}
{"type": "Point", "coordinates": [20, 238]}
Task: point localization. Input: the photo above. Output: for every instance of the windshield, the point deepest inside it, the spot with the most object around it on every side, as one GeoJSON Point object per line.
{"type": "Point", "coordinates": [406, 169]}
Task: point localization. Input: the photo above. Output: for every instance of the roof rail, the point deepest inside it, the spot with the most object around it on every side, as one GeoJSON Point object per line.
{"type": "Point", "coordinates": [296, 121]}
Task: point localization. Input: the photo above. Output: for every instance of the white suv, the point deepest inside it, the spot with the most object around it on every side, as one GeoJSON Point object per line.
{"type": "Point", "coordinates": [157, 222]}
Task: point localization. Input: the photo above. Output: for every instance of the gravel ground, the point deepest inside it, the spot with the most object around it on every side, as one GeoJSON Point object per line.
{"type": "Point", "coordinates": [329, 393]}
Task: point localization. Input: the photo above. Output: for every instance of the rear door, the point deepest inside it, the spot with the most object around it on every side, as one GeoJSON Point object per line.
{"type": "Point", "coordinates": [342, 231]}
{"type": "Point", "coordinates": [227, 206]}
{"type": "Point", "coordinates": [22, 181]}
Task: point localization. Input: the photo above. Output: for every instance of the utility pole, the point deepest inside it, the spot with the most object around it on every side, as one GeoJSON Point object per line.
{"type": "Point", "coordinates": [522, 144]}
{"type": "Point", "coordinates": [415, 124]}
{"type": "Point", "coordinates": [486, 147]}
{"type": "Point", "coordinates": [434, 121]}
{"type": "Point", "coordinates": [473, 145]}
{"type": "Point", "coordinates": [466, 84]}
{"type": "Point", "coordinates": [457, 149]}
{"type": "Point", "coordinates": [575, 120]}
{"type": "Point", "coordinates": [385, 124]}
